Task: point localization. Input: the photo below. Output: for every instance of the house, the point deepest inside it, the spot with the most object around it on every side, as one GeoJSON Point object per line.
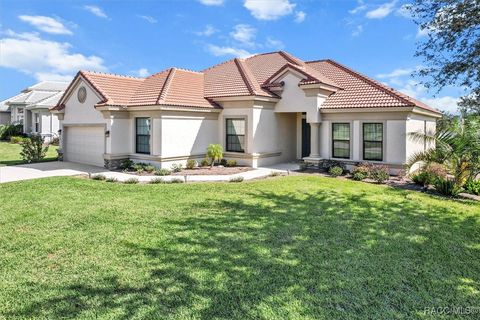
{"type": "Point", "coordinates": [265, 109]}
{"type": "Point", "coordinates": [31, 108]}
{"type": "Point", "coordinates": [4, 113]}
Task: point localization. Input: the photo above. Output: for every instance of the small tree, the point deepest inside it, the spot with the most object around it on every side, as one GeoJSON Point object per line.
{"type": "Point", "coordinates": [214, 152]}
{"type": "Point", "coordinates": [33, 149]}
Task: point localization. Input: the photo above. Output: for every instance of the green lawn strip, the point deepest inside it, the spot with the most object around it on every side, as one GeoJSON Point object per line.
{"type": "Point", "coordinates": [10, 154]}
{"type": "Point", "coordinates": [291, 247]}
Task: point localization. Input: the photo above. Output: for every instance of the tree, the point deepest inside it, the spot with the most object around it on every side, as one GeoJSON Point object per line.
{"type": "Point", "coordinates": [452, 50]}
{"type": "Point", "coordinates": [33, 149]}
{"type": "Point", "coordinates": [214, 152]}
{"type": "Point", "coordinates": [457, 146]}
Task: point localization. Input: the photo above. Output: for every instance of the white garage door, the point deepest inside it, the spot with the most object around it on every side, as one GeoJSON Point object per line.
{"type": "Point", "coordinates": [85, 145]}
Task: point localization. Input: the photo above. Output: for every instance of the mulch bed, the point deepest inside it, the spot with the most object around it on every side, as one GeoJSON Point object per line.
{"type": "Point", "coordinates": [207, 171]}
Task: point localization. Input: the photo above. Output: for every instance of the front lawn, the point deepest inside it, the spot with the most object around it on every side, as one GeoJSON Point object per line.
{"type": "Point", "coordinates": [10, 154]}
{"type": "Point", "coordinates": [299, 247]}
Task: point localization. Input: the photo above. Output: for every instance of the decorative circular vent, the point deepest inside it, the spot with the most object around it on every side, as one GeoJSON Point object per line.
{"type": "Point", "coordinates": [82, 94]}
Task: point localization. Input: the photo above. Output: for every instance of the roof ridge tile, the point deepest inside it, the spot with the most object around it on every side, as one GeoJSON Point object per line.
{"type": "Point", "coordinates": [163, 93]}
{"type": "Point", "coordinates": [110, 74]}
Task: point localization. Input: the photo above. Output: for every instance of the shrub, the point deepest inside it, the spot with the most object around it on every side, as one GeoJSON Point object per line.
{"type": "Point", "coordinates": [429, 174]}
{"type": "Point", "coordinates": [205, 163]}
{"type": "Point", "coordinates": [126, 164]}
{"type": "Point", "coordinates": [138, 167]}
{"type": "Point", "coordinates": [162, 172]}
{"type": "Point", "coordinates": [380, 173]}
{"type": "Point", "coordinates": [10, 130]}
{"type": "Point", "coordinates": [131, 181]}
{"type": "Point", "coordinates": [214, 152]}
{"type": "Point", "coordinates": [335, 171]}
{"type": "Point", "coordinates": [327, 164]}
{"type": "Point", "coordinates": [17, 139]}
{"type": "Point", "coordinates": [472, 186]}
{"type": "Point", "coordinates": [33, 149]}
{"type": "Point", "coordinates": [191, 164]}
{"type": "Point", "coordinates": [157, 180]}
{"type": "Point", "coordinates": [236, 179]}
{"type": "Point", "coordinates": [177, 180]}
{"type": "Point", "coordinates": [447, 187]}
{"type": "Point", "coordinates": [420, 178]}
{"type": "Point", "coordinates": [361, 172]}
{"type": "Point", "coordinates": [99, 177]}
{"type": "Point", "coordinates": [231, 163]}
{"type": "Point", "coordinates": [111, 179]}
{"type": "Point", "coordinates": [149, 168]}
{"type": "Point", "coordinates": [223, 162]}
{"type": "Point", "coordinates": [177, 167]}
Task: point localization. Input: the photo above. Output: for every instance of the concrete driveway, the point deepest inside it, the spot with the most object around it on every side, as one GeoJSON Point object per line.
{"type": "Point", "coordinates": [45, 169]}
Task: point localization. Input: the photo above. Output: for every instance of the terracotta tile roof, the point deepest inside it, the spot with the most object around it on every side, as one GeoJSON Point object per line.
{"type": "Point", "coordinates": [253, 76]}
{"type": "Point", "coordinates": [361, 91]}
{"type": "Point", "coordinates": [115, 89]}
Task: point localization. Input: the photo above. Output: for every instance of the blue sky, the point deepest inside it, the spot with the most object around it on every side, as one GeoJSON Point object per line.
{"type": "Point", "coordinates": [43, 40]}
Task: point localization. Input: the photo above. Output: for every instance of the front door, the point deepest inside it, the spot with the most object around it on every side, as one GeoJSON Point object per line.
{"type": "Point", "coordinates": [305, 138]}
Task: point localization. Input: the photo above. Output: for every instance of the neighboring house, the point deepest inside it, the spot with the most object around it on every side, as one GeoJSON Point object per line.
{"type": "Point", "coordinates": [265, 109]}
{"type": "Point", "coordinates": [32, 106]}
{"type": "Point", "coordinates": [4, 113]}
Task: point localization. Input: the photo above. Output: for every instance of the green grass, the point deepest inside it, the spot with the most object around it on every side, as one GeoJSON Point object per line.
{"type": "Point", "coordinates": [10, 154]}
{"type": "Point", "coordinates": [284, 248]}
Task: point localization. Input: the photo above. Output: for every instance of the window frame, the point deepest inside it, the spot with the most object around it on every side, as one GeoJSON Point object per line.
{"type": "Point", "coordinates": [37, 122]}
{"type": "Point", "coordinates": [364, 141]}
{"type": "Point", "coordinates": [227, 135]}
{"type": "Point", "coordinates": [349, 140]}
{"type": "Point", "coordinates": [137, 135]}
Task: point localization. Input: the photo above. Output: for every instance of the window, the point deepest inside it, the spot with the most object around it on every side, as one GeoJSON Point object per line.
{"type": "Point", "coordinates": [373, 141]}
{"type": "Point", "coordinates": [142, 128]}
{"type": "Point", "coordinates": [37, 123]}
{"type": "Point", "coordinates": [235, 135]}
{"type": "Point", "coordinates": [341, 140]}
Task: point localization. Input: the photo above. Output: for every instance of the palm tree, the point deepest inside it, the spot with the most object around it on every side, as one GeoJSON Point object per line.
{"type": "Point", "coordinates": [214, 152]}
{"type": "Point", "coordinates": [456, 146]}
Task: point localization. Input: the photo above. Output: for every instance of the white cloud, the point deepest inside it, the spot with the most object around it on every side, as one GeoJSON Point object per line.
{"type": "Point", "coordinates": [360, 7]}
{"type": "Point", "coordinates": [207, 31]}
{"type": "Point", "coordinates": [382, 11]}
{"type": "Point", "coordinates": [269, 9]}
{"type": "Point", "coordinates": [148, 18]}
{"type": "Point", "coordinates": [397, 73]}
{"type": "Point", "coordinates": [142, 72]}
{"type": "Point", "coordinates": [45, 76]}
{"type": "Point", "coordinates": [244, 34]}
{"type": "Point", "coordinates": [227, 51]}
{"type": "Point", "coordinates": [300, 16]}
{"type": "Point", "coordinates": [212, 2]}
{"type": "Point", "coordinates": [32, 55]}
{"type": "Point", "coordinates": [96, 11]}
{"type": "Point", "coordinates": [46, 24]}
{"type": "Point", "coordinates": [274, 44]}
{"type": "Point", "coordinates": [412, 88]}
{"type": "Point", "coordinates": [357, 31]}
{"type": "Point", "coordinates": [445, 103]}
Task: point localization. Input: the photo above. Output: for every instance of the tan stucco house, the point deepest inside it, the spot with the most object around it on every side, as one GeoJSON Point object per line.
{"type": "Point", "coordinates": [265, 109]}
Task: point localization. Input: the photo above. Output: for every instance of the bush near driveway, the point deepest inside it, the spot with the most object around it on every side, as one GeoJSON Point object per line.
{"type": "Point", "coordinates": [292, 247]}
{"type": "Point", "coordinates": [10, 154]}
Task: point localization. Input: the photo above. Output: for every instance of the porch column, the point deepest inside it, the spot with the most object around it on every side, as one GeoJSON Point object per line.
{"type": "Point", "coordinates": [314, 140]}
